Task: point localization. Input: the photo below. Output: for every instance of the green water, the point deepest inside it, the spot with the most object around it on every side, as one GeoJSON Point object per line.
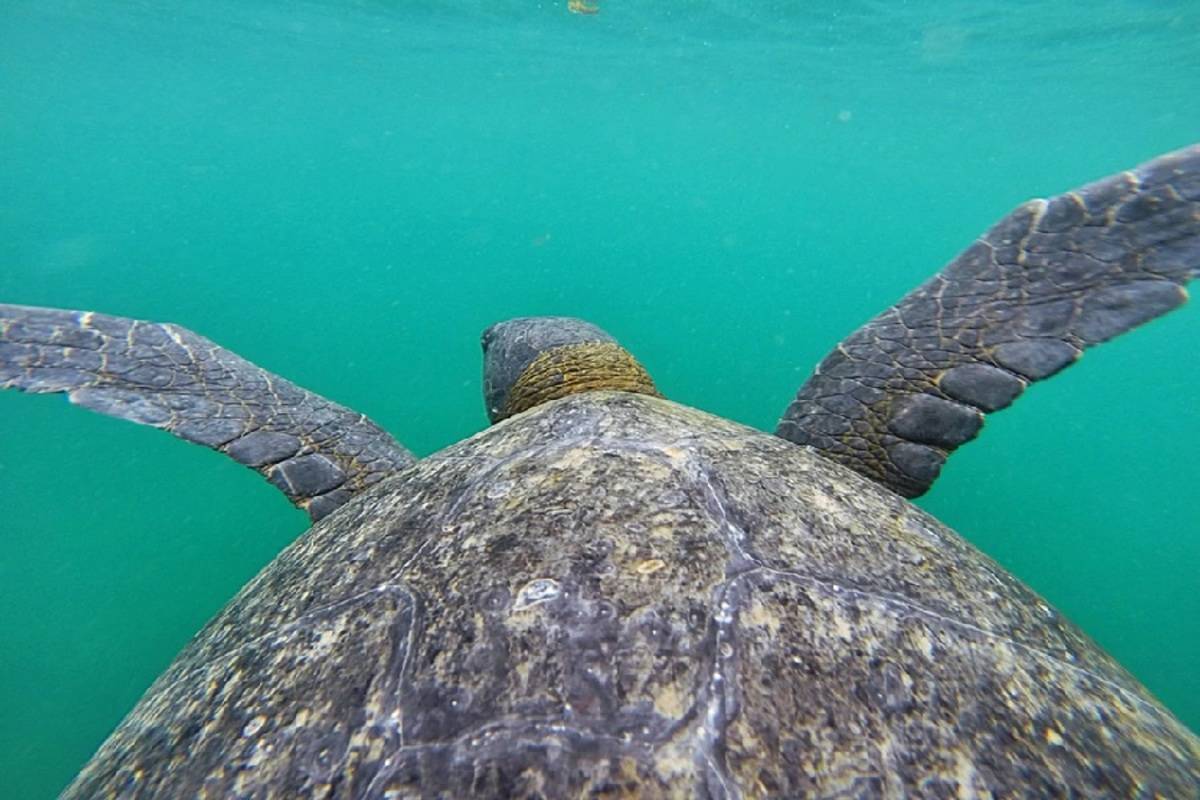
{"type": "Point", "coordinates": [347, 193]}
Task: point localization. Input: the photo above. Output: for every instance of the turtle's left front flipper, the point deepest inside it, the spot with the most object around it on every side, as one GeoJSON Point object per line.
{"type": "Point", "coordinates": [315, 451]}
{"type": "Point", "coordinates": [1049, 280]}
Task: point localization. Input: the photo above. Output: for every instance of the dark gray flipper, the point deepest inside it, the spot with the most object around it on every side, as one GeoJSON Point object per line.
{"type": "Point", "coordinates": [316, 452]}
{"type": "Point", "coordinates": [1049, 280]}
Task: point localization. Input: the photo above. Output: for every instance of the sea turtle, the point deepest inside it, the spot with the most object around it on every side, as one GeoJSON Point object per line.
{"type": "Point", "coordinates": [609, 594]}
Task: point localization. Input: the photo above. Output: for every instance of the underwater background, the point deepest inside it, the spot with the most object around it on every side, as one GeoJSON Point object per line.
{"type": "Point", "coordinates": [347, 193]}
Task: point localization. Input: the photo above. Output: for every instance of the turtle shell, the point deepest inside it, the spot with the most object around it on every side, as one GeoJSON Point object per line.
{"type": "Point", "coordinates": [615, 595]}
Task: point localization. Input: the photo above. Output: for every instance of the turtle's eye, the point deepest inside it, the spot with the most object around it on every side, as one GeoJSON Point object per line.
{"type": "Point", "coordinates": [531, 360]}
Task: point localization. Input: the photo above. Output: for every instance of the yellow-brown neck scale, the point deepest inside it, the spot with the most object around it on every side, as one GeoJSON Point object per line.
{"type": "Point", "coordinates": [573, 368]}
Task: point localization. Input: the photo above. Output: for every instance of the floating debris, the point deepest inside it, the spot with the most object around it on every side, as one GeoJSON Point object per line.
{"type": "Point", "coordinates": [582, 7]}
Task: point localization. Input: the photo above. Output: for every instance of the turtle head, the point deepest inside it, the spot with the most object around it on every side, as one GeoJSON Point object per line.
{"type": "Point", "coordinates": [530, 360]}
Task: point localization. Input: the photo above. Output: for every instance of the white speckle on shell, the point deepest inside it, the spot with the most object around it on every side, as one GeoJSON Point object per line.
{"type": "Point", "coordinates": [499, 489]}
{"type": "Point", "coordinates": [536, 591]}
{"type": "Point", "coordinates": [254, 726]}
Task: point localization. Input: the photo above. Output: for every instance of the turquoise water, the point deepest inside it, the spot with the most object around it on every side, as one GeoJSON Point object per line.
{"type": "Point", "coordinates": [347, 193]}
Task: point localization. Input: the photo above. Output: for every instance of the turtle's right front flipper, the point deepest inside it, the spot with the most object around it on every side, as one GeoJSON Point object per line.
{"type": "Point", "coordinates": [316, 452]}
{"type": "Point", "coordinates": [1049, 280]}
